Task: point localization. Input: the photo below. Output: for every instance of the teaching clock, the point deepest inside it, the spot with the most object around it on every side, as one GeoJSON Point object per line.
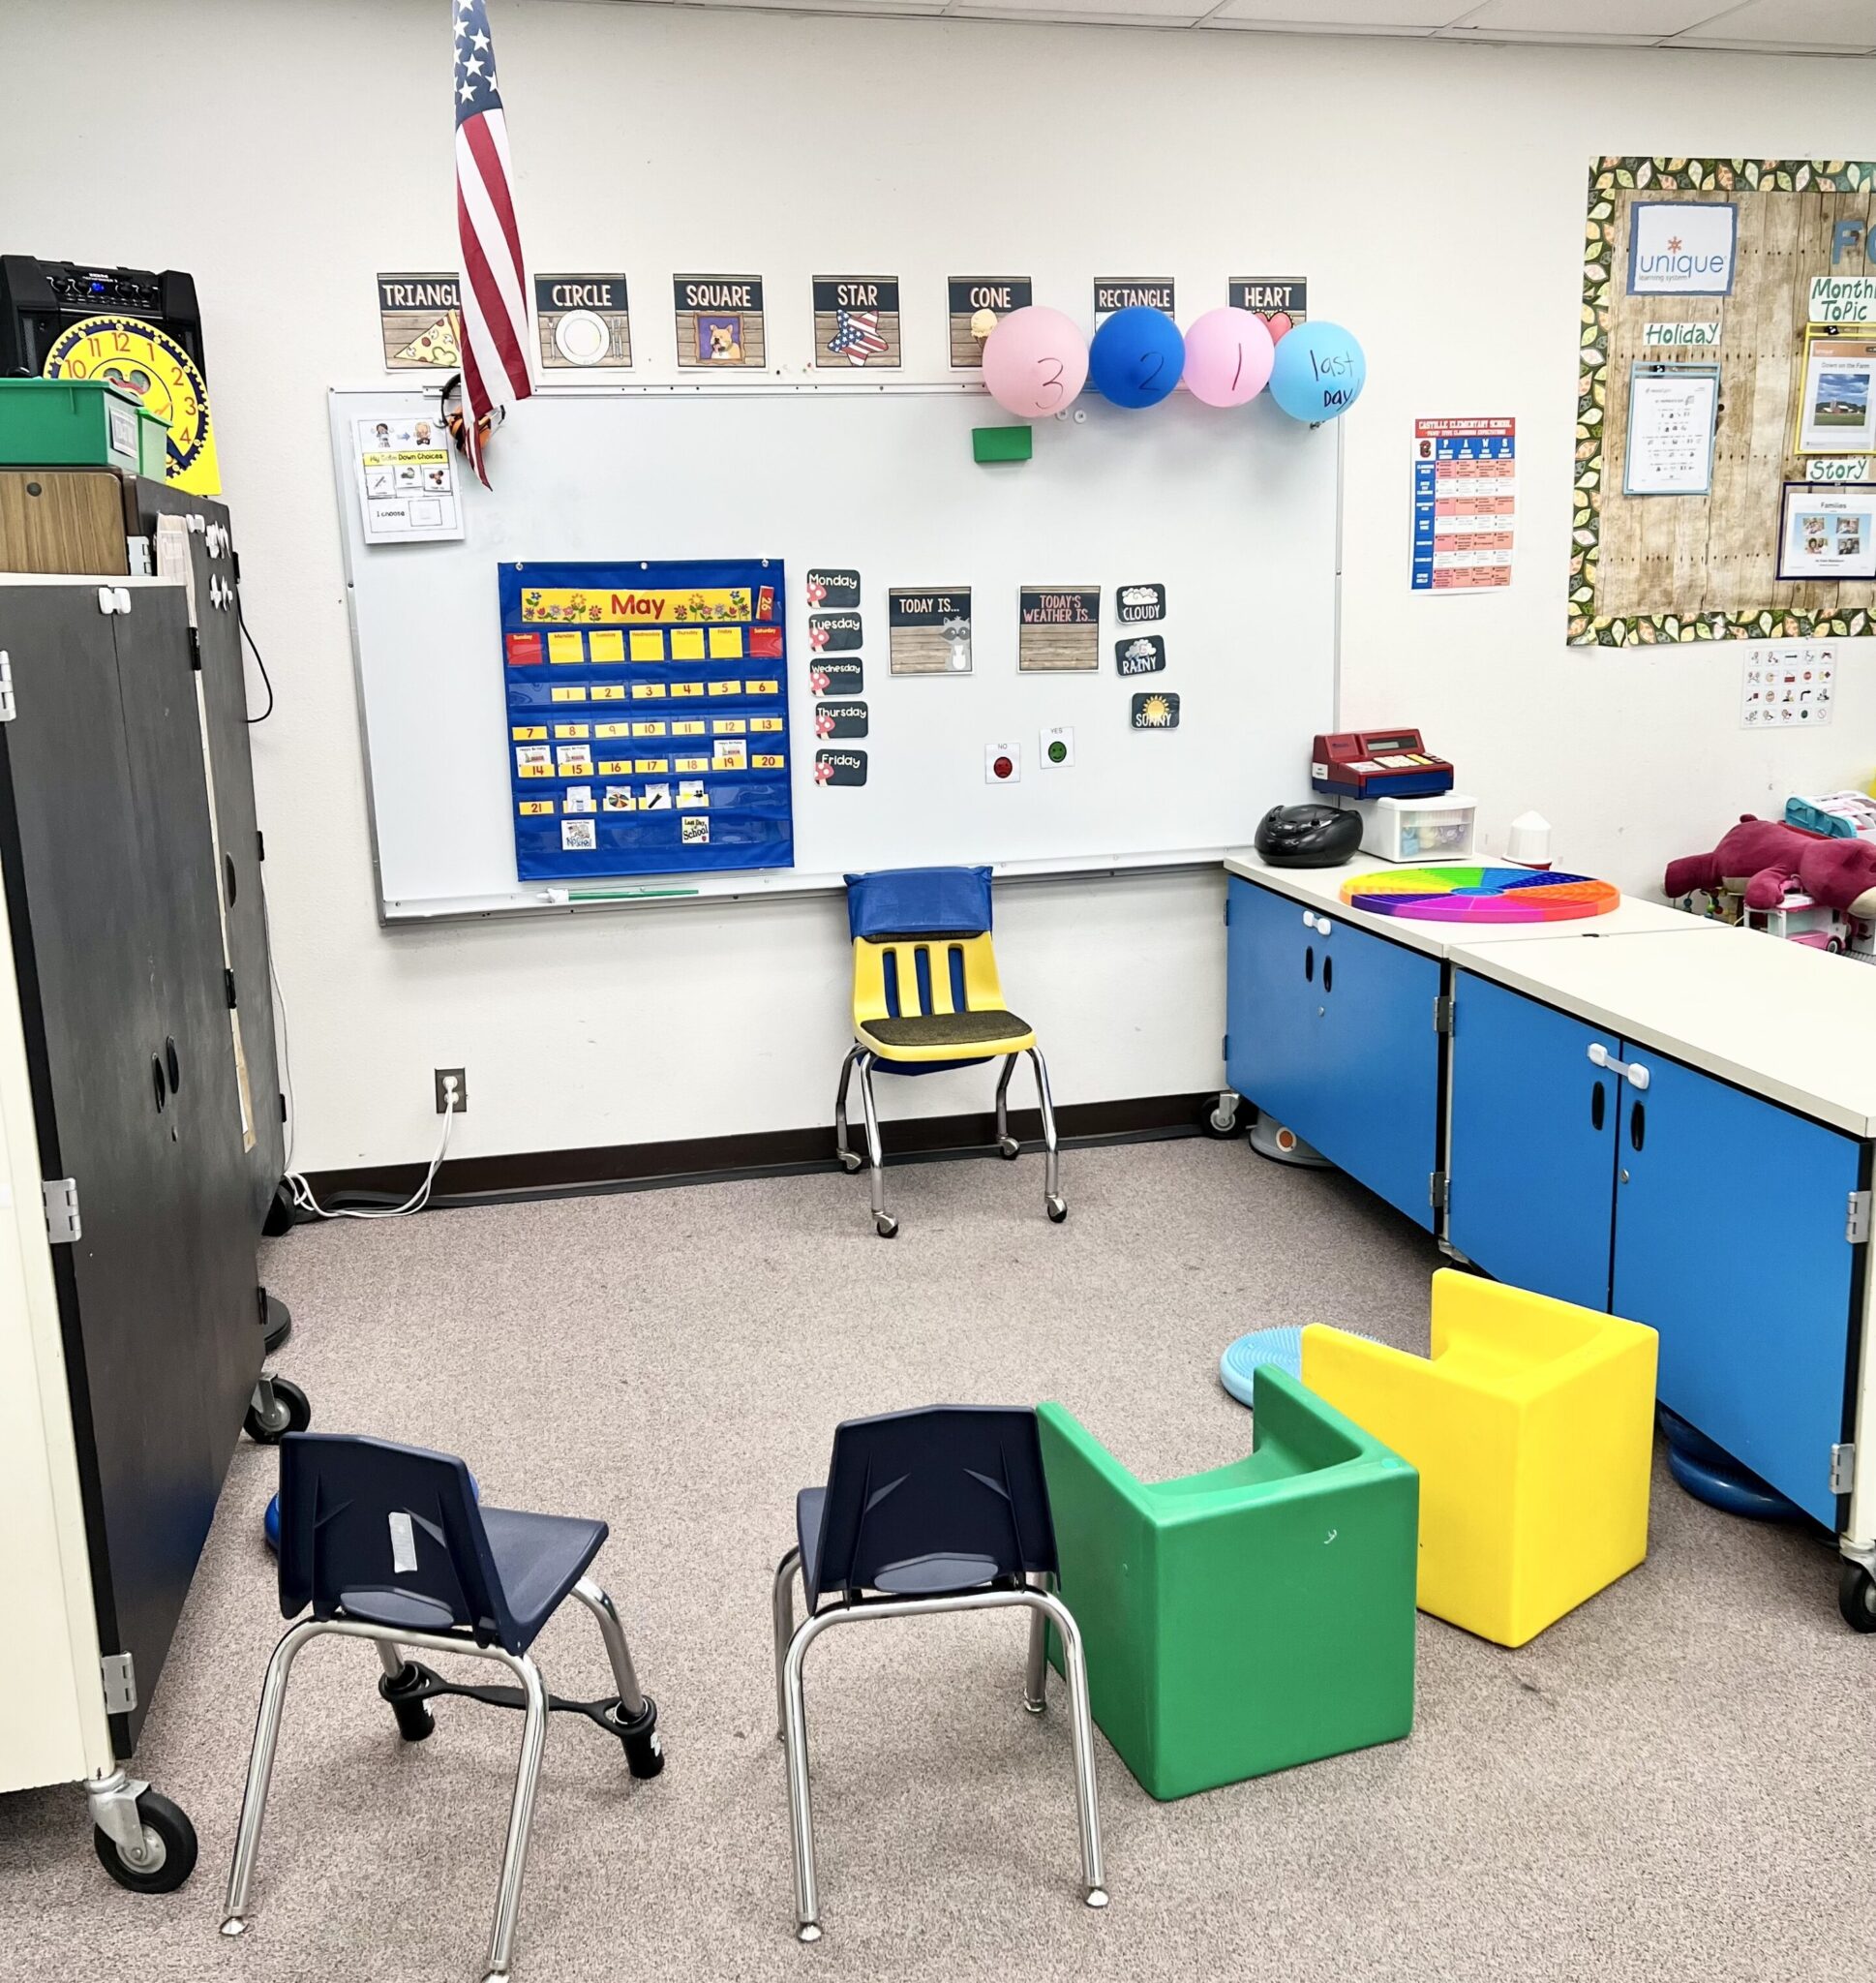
{"type": "Point", "coordinates": [145, 361]}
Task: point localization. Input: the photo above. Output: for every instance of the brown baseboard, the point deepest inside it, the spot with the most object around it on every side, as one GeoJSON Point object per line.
{"type": "Point", "coordinates": [627, 1166]}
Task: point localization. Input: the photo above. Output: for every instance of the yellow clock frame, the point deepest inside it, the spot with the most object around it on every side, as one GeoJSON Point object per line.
{"type": "Point", "coordinates": [146, 361]}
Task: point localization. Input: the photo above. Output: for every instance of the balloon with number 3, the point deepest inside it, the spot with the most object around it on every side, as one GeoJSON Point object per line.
{"type": "Point", "coordinates": [1035, 362]}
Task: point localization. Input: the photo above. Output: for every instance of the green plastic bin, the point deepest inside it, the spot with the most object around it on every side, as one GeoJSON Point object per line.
{"type": "Point", "coordinates": [48, 424]}
{"type": "Point", "coordinates": [1246, 1619]}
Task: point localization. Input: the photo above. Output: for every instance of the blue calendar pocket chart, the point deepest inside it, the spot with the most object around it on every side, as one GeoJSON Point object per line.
{"type": "Point", "coordinates": [647, 717]}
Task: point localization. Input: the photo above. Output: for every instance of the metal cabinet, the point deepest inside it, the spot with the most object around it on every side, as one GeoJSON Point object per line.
{"type": "Point", "coordinates": [1334, 1034]}
{"type": "Point", "coordinates": [1605, 1172]}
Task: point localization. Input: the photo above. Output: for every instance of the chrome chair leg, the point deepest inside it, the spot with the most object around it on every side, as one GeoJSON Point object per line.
{"type": "Point", "coordinates": [520, 1819]}
{"type": "Point", "coordinates": [1006, 1144]}
{"type": "Point", "coordinates": [1075, 1667]}
{"type": "Point", "coordinates": [849, 1159]}
{"type": "Point", "coordinates": [1047, 1607]}
{"type": "Point", "coordinates": [390, 1659]}
{"type": "Point", "coordinates": [784, 1598]}
{"type": "Point", "coordinates": [260, 1772]}
{"type": "Point", "coordinates": [1035, 1678]}
{"type": "Point", "coordinates": [883, 1221]}
{"type": "Point", "coordinates": [631, 1702]}
{"type": "Point", "coordinates": [1056, 1206]}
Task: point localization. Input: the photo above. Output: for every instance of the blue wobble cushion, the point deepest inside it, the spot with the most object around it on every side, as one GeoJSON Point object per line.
{"type": "Point", "coordinates": [270, 1521]}
{"type": "Point", "coordinates": [1282, 1347]}
{"type": "Point", "coordinates": [1711, 1474]}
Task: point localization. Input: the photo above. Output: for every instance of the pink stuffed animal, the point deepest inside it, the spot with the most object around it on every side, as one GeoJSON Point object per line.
{"type": "Point", "coordinates": [1764, 858]}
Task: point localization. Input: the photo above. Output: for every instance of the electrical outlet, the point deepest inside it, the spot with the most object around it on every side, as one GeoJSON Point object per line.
{"type": "Point", "coordinates": [460, 1076]}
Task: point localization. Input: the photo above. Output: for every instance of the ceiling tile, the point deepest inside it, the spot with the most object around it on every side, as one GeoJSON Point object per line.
{"type": "Point", "coordinates": [1343, 13]}
{"type": "Point", "coordinates": [1632, 19]}
{"type": "Point", "coordinates": [1165, 13]}
{"type": "Point", "coordinates": [1791, 24]}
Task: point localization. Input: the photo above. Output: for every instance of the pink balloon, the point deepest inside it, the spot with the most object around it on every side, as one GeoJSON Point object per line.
{"type": "Point", "coordinates": [1228, 356]}
{"type": "Point", "coordinates": [1035, 362]}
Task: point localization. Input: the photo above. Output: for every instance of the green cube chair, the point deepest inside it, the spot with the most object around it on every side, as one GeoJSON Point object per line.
{"type": "Point", "coordinates": [1249, 1618]}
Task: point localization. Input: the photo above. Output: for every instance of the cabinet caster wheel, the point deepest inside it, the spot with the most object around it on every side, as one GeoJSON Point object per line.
{"type": "Point", "coordinates": [1219, 1122]}
{"type": "Point", "coordinates": [849, 1161]}
{"type": "Point", "coordinates": [288, 1410]}
{"type": "Point", "coordinates": [1008, 1146]}
{"type": "Point", "coordinates": [1857, 1597]}
{"type": "Point", "coordinates": [168, 1848]}
{"type": "Point", "coordinates": [886, 1226]}
{"type": "Point", "coordinates": [1058, 1208]}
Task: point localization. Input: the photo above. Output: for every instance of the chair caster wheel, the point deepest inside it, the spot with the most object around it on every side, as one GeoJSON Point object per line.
{"type": "Point", "coordinates": [1857, 1597]}
{"type": "Point", "coordinates": [167, 1851]}
{"type": "Point", "coordinates": [886, 1226]}
{"type": "Point", "coordinates": [415, 1721]}
{"type": "Point", "coordinates": [290, 1411]}
{"type": "Point", "coordinates": [1008, 1146]}
{"type": "Point", "coordinates": [1058, 1208]}
{"type": "Point", "coordinates": [849, 1161]}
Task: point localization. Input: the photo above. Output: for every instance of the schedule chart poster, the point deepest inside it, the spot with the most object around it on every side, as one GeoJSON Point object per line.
{"type": "Point", "coordinates": [647, 717]}
{"type": "Point", "coordinates": [1465, 504]}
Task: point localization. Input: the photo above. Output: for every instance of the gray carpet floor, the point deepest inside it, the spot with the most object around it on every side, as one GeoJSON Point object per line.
{"type": "Point", "coordinates": [1674, 1781]}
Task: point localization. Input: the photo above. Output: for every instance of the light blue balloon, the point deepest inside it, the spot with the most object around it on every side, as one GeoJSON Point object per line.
{"type": "Point", "coordinates": [1319, 373]}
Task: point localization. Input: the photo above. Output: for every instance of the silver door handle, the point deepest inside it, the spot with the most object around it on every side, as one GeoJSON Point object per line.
{"type": "Point", "coordinates": [1630, 1071]}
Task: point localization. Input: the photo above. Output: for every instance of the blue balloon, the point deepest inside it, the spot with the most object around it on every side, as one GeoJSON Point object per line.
{"type": "Point", "coordinates": [1319, 374]}
{"type": "Point", "coordinates": [1136, 357]}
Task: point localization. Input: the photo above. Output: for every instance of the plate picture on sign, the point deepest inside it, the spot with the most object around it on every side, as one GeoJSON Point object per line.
{"type": "Point", "coordinates": [1159, 710]}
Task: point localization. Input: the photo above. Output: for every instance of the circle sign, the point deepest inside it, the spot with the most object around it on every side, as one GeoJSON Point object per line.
{"type": "Point", "coordinates": [581, 337]}
{"type": "Point", "coordinates": [150, 365]}
{"type": "Point", "coordinates": [1136, 357]}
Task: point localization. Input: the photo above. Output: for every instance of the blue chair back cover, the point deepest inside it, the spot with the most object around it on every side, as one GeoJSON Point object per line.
{"type": "Point", "coordinates": [388, 1534]}
{"type": "Point", "coordinates": [919, 902]}
{"type": "Point", "coordinates": [941, 1499]}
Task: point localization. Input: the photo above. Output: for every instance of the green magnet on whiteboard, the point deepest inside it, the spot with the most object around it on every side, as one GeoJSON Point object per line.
{"type": "Point", "coordinates": [1002, 443]}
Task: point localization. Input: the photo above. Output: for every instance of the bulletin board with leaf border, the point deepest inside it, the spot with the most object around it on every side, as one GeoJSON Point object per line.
{"type": "Point", "coordinates": [1660, 570]}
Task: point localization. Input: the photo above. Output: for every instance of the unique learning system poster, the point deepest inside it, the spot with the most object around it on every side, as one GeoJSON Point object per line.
{"type": "Point", "coordinates": [408, 491]}
{"type": "Point", "coordinates": [647, 717]}
{"type": "Point", "coordinates": [1465, 504]}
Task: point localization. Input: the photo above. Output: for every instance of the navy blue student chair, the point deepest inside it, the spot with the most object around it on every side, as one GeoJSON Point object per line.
{"type": "Point", "coordinates": [388, 1543]}
{"type": "Point", "coordinates": [939, 1509]}
{"type": "Point", "coordinates": [927, 997]}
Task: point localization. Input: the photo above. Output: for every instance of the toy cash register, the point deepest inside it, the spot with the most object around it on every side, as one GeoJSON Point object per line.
{"type": "Point", "coordinates": [1378, 764]}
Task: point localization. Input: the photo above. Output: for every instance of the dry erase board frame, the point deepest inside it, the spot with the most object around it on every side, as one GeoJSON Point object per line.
{"type": "Point", "coordinates": [1238, 512]}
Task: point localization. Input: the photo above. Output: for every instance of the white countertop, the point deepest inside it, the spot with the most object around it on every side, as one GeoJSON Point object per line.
{"type": "Point", "coordinates": [1321, 888]}
{"type": "Point", "coordinates": [1780, 1019]}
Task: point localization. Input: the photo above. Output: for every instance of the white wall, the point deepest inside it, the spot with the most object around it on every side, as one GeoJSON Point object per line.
{"type": "Point", "coordinates": [1433, 194]}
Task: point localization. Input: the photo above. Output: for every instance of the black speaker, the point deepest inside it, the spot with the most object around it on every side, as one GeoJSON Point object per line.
{"type": "Point", "coordinates": [39, 299]}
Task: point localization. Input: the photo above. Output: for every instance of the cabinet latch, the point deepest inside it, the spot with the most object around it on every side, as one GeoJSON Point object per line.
{"type": "Point", "coordinates": [61, 1222]}
{"type": "Point", "coordinates": [1436, 1187]}
{"type": "Point", "coordinates": [119, 1670]}
{"type": "Point", "coordinates": [1843, 1469]}
{"type": "Point", "coordinates": [8, 709]}
{"type": "Point", "coordinates": [1630, 1071]}
{"type": "Point", "coordinates": [1442, 1014]}
{"type": "Point", "coordinates": [1856, 1218]}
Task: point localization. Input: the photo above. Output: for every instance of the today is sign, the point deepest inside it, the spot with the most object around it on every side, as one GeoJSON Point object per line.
{"type": "Point", "coordinates": [1682, 248]}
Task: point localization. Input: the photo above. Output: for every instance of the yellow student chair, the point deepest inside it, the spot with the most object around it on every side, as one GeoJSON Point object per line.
{"type": "Point", "coordinates": [1531, 1425]}
{"type": "Point", "coordinates": [926, 997]}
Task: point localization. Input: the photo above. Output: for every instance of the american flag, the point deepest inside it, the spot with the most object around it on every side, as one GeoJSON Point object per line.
{"type": "Point", "coordinates": [856, 332]}
{"type": "Point", "coordinates": [495, 289]}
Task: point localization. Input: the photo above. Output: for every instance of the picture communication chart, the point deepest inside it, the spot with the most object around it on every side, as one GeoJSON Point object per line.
{"type": "Point", "coordinates": [1111, 655]}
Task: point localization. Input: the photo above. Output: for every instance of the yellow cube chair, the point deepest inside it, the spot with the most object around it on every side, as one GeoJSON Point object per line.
{"type": "Point", "coordinates": [1532, 1426]}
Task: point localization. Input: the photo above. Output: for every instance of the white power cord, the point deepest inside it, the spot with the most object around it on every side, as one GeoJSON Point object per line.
{"type": "Point", "coordinates": [302, 1191]}
{"type": "Point", "coordinates": [296, 1184]}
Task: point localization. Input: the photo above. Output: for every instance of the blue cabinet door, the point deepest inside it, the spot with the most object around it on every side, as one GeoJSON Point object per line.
{"type": "Point", "coordinates": [1331, 1032]}
{"type": "Point", "coordinates": [1531, 1144]}
{"type": "Point", "coordinates": [1729, 1241]}
{"type": "Point", "coordinates": [1271, 1000]}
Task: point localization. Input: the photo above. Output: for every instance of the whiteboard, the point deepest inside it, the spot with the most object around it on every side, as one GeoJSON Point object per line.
{"type": "Point", "coordinates": [1234, 513]}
